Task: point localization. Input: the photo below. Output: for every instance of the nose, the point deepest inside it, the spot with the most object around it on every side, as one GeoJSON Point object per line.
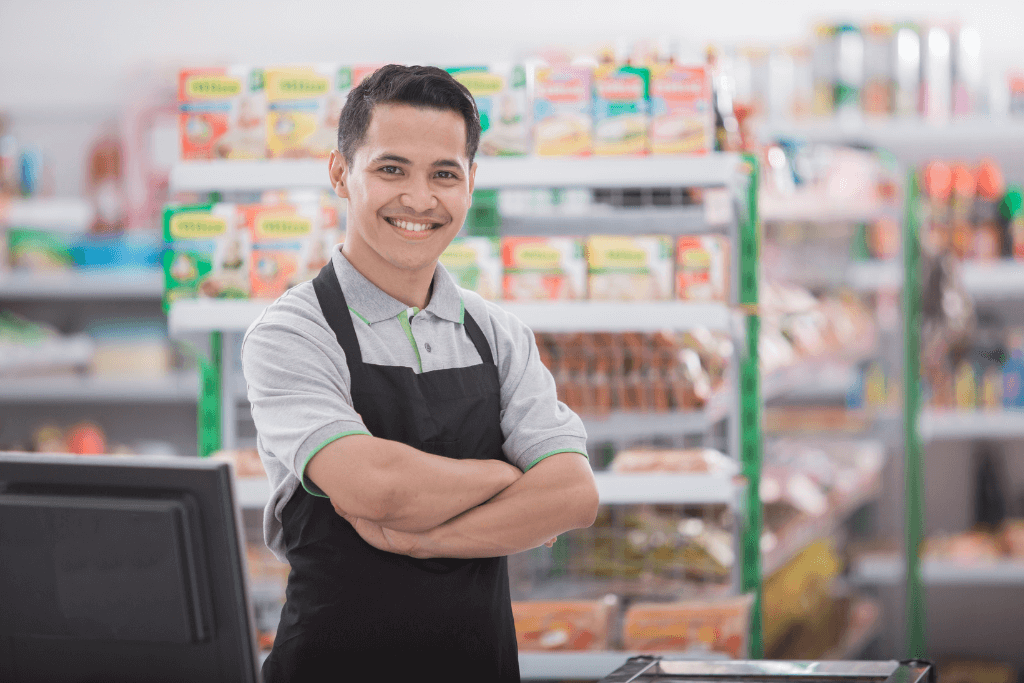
{"type": "Point", "coordinates": [419, 196]}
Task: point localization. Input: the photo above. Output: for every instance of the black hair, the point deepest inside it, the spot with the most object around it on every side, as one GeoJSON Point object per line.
{"type": "Point", "coordinates": [420, 86]}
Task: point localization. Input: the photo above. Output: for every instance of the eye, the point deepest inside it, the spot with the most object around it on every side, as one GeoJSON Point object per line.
{"type": "Point", "coordinates": [390, 169]}
{"type": "Point", "coordinates": [447, 175]}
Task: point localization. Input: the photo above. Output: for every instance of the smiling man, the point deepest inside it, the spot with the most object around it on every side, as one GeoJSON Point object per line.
{"type": "Point", "coordinates": [410, 431]}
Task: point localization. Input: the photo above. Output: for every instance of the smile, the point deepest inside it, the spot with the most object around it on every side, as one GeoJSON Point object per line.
{"type": "Point", "coordinates": [412, 227]}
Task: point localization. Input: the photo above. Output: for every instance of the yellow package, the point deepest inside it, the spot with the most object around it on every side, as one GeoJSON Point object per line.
{"type": "Point", "coordinates": [282, 237]}
{"type": "Point", "coordinates": [621, 98]}
{"type": "Point", "coordinates": [630, 268]}
{"type": "Point", "coordinates": [475, 264]}
{"type": "Point", "coordinates": [682, 119]}
{"type": "Point", "coordinates": [207, 254]}
{"type": "Point", "coordinates": [702, 268]}
{"type": "Point", "coordinates": [303, 102]}
{"type": "Point", "coordinates": [562, 123]}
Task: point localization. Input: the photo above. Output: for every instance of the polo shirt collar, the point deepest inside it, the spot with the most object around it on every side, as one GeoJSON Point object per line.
{"type": "Point", "coordinates": [373, 305]}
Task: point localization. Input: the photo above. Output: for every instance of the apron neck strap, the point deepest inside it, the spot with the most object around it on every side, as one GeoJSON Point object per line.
{"type": "Point", "coordinates": [478, 338]}
{"type": "Point", "coordinates": [335, 310]}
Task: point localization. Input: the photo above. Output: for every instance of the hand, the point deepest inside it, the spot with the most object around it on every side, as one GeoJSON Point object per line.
{"type": "Point", "coordinates": [551, 542]}
{"type": "Point", "coordinates": [382, 538]}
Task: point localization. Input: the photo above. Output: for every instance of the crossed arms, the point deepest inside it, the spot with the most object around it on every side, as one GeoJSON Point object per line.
{"type": "Point", "coordinates": [405, 501]}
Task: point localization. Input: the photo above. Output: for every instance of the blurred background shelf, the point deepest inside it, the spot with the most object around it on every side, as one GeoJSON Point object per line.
{"type": "Point", "coordinates": [889, 570]}
{"type": "Point", "coordinates": [47, 213]}
{"type": "Point", "coordinates": [179, 387]}
{"type": "Point", "coordinates": [583, 665]}
{"type": "Point", "coordinates": [111, 284]}
{"type": "Point", "coordinates": [810, 381]}
{"type": "Point", "coordinates": [647, 221]}
{"type": "Point", "coordinates": [937, 425]}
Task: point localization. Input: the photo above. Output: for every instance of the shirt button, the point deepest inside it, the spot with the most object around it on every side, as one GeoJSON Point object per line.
{"type": "Point", "coordinates": [427, 347]}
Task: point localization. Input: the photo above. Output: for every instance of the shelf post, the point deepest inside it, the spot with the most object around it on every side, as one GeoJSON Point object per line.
{"type": "Point", "coordinates": [914, 466]}
{"type": "Point", "coordinates": [750, 407]}
{"type": "Point", "coordinates": [209, 408]}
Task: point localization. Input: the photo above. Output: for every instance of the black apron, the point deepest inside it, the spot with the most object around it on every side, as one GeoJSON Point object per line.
{"type": "Point", "coordinates": [354, 612]}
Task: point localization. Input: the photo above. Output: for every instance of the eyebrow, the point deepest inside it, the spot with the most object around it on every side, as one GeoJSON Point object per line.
{"type": "Point", "coordinates": [440, 163]}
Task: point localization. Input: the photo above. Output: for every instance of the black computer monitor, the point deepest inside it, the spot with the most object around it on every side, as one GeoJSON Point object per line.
{"type": "Point", "coordinates": [122, 570]}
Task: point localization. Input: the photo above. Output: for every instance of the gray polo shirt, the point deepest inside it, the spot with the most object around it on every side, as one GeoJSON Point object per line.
{"type": "Point", "coordinates": [299, 383]}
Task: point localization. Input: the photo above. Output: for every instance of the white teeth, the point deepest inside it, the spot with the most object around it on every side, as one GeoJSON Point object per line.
{"type": "Point", "coordinates": [412, 227]}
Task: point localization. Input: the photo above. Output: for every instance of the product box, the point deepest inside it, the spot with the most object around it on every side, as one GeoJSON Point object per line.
{"type": "Point", "coordinates": [621, 109]}
{"type": "Point", "coordinates": [282, 246]}
{"type": "Point", "coordinates": [222, 113]}
{"type": "Point", "coordinates": [702, 268]}
{"type": "Point", "coordinates": [544, 268]}
{"type": "Point", "coordinates": [682, 119]}
{"type": "Point", "coordinates": [562, 112]}
{"type": "Point", "coordinates": [630, 268]}
{"type": "Point", "coordinates": [475, 264]}
{"type": "Point", "coordinates": [303, 104]}
{"type": "Point", "coordinates": [698, 626]}
{"type": "Point", "coordinates": [501, 100]}
{"type": "Point", "coordinates": [206, 255]}
{"type": "Point", "coordinates": [564, 624]}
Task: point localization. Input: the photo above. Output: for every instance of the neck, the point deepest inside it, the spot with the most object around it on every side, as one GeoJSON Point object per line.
{"type": "Point", "coordinates": [411, 287]}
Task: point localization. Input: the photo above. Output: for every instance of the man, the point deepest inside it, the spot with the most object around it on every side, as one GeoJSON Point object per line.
{"type": "Point", "coordinates": [410, 431]}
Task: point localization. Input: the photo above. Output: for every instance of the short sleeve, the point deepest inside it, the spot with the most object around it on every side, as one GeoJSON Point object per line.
{"type": "Point", "coordinates": [299, 394]}
{"type": "Point", "coordinates": [534, 422]}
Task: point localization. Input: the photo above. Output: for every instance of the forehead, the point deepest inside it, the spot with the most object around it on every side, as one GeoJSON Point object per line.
{"type": "Point", "coordinates": [413, 132]}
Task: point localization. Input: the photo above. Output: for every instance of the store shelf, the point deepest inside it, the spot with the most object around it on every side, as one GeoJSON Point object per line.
{"type": "Point", "coordinates": [916, 133]}
{"type": "Point", "coordinates": [874, 275]}
{"type": "Point", "coordinates": [613, 489]}
{"type": "Point", "coordinates": [810, 381]}
{"type": "Point", "coordinates": [889, 569]}
{"type": "Point", "coordinates": [83, 284]}
{"type": "Point", "coordinates": [655, 221]}
{"type": "Point", "coordinates": [180, 387]}
{"type": "Point", "coordinates": [994, 280]}
{"type": "Point", "coordinates": [626, 426]}
{"type": "Point", "coordinates": [813, 206]}
{"type": "Point", "coordinates": [64, 214]}
{"type": "Point", "coordinates": [586, 665]}
{"type": "Point", "coordinates": [492, 172]}
{"type": "Point", "coordinates": [199, 315]}
{"type": "Point", "coordinates": [935, 425]}
{"type": "Point", "coordinates": [804, 531]}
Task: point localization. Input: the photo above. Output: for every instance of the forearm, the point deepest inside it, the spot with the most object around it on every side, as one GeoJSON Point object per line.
{"type": "Point", "coordinates": [548, 500]}
{"type": "Point", "coordinates": [405, 489]}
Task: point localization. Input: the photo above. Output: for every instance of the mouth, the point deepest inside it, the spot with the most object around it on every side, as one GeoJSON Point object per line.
{"type": "Point", "coordinates": [413, 228]}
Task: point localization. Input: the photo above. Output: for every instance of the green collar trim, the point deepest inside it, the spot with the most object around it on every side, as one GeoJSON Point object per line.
{"type": "Point", "coordinates": [403, 319]}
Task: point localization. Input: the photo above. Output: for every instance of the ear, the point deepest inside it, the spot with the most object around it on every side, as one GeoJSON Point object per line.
{"type": "Point", "coordinates": [472, 177]}
{"type": "Point", "coordinates": [338, 170]}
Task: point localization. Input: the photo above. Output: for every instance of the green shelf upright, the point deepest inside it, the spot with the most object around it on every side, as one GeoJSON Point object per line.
{"type": "Point", "coordinates": [209, 408]}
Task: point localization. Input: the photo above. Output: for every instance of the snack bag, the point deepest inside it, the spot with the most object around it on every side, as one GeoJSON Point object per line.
{"type": "Point", "coordinates": [682, 119]}
{"type": "Point", "coordinates": [222, 113]}
{"type": "Point", "coordinates": [716, 625]}
{"type": "Point", "coordinates": [303, 104]}
{"type": "Point", "coordinates": [630, 268]}
{"type": "Point", "coordinates": [282, 237]}
{"type": "Point", "coordinates": [562, 124]}
{"type": "Point", "coordinates": [544, 268]}
{"type": "Point", "coordinates": [702, 268]}
{"type": "Point", "coordinates": [500, 94]}
{"type": "Point", "coordinates": [207, 255]}
{"type": "Point", "coordinates": [621, 99]}
{"type": "Point", "coordinates": [563, 624]}
{"type": "Point", "coordinates": [475, 264]}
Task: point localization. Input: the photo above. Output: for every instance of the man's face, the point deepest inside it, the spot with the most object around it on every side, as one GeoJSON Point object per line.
{"type": "Point", "coordinates": [409, 186]}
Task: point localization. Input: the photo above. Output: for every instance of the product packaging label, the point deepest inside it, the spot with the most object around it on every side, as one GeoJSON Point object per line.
{"type": "Point", "coordinates": [682, 119]}
{"type": "Point", "coordinates": [282, 246]}
{"type": "Point", "coordinates": [206, 255]}
{"type": "Point", "coordinates": [501, 99]}
{"type": "Point", "coordinates": [475, 264]}
{"type": "Point", "coordinates": [562, 113]}
{"type": "Point", "coordinates": [302, 103]}
{"type": "Point", "coordinates": [222, 113]}
{"type": "Point", "coordinates": [630, 268]}
{"type": "Point", "coordinates": [621, 99]}
{"type": "Point", "coordinates": [702, 267]}
{"type": "Point", "coordinates": [544, 268]}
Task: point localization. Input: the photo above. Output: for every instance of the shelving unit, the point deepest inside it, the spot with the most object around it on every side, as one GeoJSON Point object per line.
{"type": "Point", "coordinates": [85, 284]}
{"type": "Point", "coordinates": [178, 387]}
{"type": "Point", "coordinates": [740, 405]}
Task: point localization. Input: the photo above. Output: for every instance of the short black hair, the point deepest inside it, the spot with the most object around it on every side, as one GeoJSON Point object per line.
{"type": "Point", "coordinates": [420, 86]}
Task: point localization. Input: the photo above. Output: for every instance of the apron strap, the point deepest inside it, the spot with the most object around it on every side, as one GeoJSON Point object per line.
{"type": "Point", "coordinates": [478, 338]}
{"type": "Point", "coordinates": [335, 310]}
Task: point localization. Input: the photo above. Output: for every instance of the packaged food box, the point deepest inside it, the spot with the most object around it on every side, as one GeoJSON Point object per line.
{"type": "Point", "coordinates": [282, 237]}
{"type": "Point", "coordinates": [630, 268]}
{"type": "Point", "coordinates": [222, 113]}
{"type": "Point", "coordinates": [475, 264]}
{"type": "Point", "coordinates": [621, 101]}
{"type": "Point", "coordinates": [702, 268]}
{"type": "Point", "coordinates": [501, 100]}
{"type": "Point", "coordinates": [544, 268]}
{"type": "Point", "coordinates": [716, 625]}
{"type": "Point", "coordinates": [562, 112]}
{"type": "Point", "coordinates": [674, 460]}
{"type": "Point", "coordinates": [207, 255]}
{"type": "Point", "coordinates": [303, 105]}
{"type": "Point", "coordinates": [564, 624]}
{"type": "Point", "coordinates": [682, 119]}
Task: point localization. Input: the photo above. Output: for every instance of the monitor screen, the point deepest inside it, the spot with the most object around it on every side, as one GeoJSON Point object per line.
{"type": "Point", "coordinates": [116, 569]}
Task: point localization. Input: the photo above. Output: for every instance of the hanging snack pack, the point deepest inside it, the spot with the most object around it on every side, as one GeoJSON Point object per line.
{"type": "Point", "coordinates": [222, 113]}
{"type": "Point", "coordinates": [630, 268]}
{"type": "Point", "coordinates": [682, 120]}
{"type": "Point", "coordinates": [544, 268]}
{"type": "Point", "coordinates": [282, 239]}
{"type": "Point", "coordinates": [207, 255]}
{"type": "Point", "coordinates": [501, 100]}
{"type": "Point", "coordinates": [562, 123]}
{"type": "Point", "coordinates": [702, 267]}
{"type": "Point", "coordinates": [621, 100]}
{"type": "Point", "coordinates": [303, 106]}
{"type": "Point", "coordinates": [475, 264]}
